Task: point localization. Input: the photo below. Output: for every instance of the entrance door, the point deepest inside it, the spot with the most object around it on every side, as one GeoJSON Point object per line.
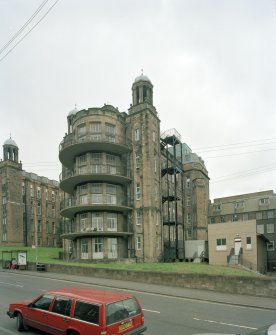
{"type": "Point", "coordinates": [112, 248]}
{"type": "Point", "coordinates": [237, 246]}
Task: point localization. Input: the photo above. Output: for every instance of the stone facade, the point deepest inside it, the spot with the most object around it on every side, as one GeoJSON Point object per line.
{"type": "Point", "coordinates": [115, 202]}
{"type": "Point", "coordinates": [29, 204]}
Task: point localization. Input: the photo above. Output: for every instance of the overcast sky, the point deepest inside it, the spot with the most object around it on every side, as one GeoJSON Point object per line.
{"type": "Point", "coordinates": [212, 64]}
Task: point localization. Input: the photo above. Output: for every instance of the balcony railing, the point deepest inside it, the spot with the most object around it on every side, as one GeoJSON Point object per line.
{"type": "Point", "coordinates": [96, 138]}
{"type": "Point", "coordinates": [95, 199]}
{"type": "Point", "coordinates": [96, 169]}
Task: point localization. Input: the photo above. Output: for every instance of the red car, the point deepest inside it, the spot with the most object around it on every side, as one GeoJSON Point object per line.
{"type": "Point", "coordinates": [80, 311]}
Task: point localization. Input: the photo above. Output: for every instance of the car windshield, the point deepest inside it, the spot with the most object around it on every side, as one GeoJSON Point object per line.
{"type": "Point", "coordinates": [260, 331]}
{"type": "Point", "coordinates": [120, 310]}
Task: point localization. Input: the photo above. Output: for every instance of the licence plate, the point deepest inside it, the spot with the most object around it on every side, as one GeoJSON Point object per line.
{"type": "Point", "coordinates": [125, 325]}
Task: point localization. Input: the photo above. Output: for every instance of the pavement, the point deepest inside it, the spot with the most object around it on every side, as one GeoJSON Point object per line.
{"type": "Point", "coordinates": [195, 294]}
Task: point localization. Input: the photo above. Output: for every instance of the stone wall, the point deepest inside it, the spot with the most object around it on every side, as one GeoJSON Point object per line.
{"type": "Point", "coordinates": [256, 286]}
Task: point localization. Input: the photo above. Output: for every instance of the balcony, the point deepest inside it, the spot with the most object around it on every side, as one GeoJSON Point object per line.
{"type": "Point", "coordinates": [99, 202]}
{"type": "Point", "coordinates": [94, 172]}
{"type": "Point", "coordinates": [73, 146]}
{"type": "Point", "coordinates": [90, 232]}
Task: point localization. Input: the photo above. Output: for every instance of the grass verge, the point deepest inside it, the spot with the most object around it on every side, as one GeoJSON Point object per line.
{"type": "Point", "coordinates": [50, 256]}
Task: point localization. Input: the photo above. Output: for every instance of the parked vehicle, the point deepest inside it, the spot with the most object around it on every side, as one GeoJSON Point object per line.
{"type": "Point", "coordinates": [80, 311]}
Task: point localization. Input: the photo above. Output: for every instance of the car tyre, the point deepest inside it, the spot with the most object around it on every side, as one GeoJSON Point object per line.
{"type": "Point", "coordinates": [72, 332]}
{"type": "Point", "coordinates": [20, 323]}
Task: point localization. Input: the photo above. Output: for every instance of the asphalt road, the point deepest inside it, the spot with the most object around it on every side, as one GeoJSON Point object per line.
{"type": "Point", "coordinates": [167, 310]}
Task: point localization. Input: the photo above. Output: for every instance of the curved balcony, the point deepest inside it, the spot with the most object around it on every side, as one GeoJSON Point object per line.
{"type": "Point", "coordinates": [94, 172]}
{"type": "Point", "coordinates": [73, 146]}
{"type": "Point", "coordinates": [73, 206]}
{"type": "Point", "coordinates": [91, 233]}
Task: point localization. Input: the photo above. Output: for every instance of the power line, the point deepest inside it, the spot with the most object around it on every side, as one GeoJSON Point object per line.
{"type": "Point", "coordinates": [24, 25]}
{"type": "Point", "coordinates": [240, 153]}
{"type": "Point", "coordinates": [246, 173]}
{"type": "Point", "coordinates": [24, 36]}
{"type": "Point", "coordinates": [226, 146]}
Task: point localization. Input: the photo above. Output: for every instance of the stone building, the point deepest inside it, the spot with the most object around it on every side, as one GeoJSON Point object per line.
{"type": "Point", "coordinates": [123, 189]}
{"type": "Point", "coordinates": [258, 206]}
{"type": "Point", "coordinates": [29, 212]}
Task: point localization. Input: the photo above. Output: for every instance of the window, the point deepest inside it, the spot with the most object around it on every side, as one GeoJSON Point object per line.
{"type": "Point", "coordinates": [44, 302]}
{"type": "Point", "coordinates": [188, 200]}
{"type": "Point", "coordinates": [259, 216]}
{"type": "Point", "coordinates": [82, 159]}
{"type": "Point", "coordinates": [97, 222]}
{"type": "Point", "coordinates": [248, 242]}
{"type": "Point", "coordinates": [120, 310]}
{"type": "Point", "coordinates": [96, 188]}
{"type": "Point", "coordinates": [38, 192]}
{"type": "Point", "coordinates": [138, 191]}
{"type": "Point", "coordinates": [98, 245]}
{"type": "Point", "coordinates": [245, 216]}
{"type": "Point", "coordinates": [83, 189]}
{"type": "Point", "coordinates": [239, 204]}
{"type": "Point", "coordinates": [53, 196]}
{"type": "Point", "coordinates": [62, 306]}
{"type": "Point", "coordinates": [81, 130]}
{"type": "Point", "coordinates": [155, 164]}
{"type": "Point", "coordinates": [260, 229]}
{"type": "Point", "coordinates": [138, 217]}
{"type": "Point", "coordinates": [96, 158]}
{"type": "Point", "coordinates": [270, 246]}
{"type": "Point", "coordinates": [154, 136]}
{"type": "Point", "coordinates": [110, 132]}
{"type": "Point", "coordinates": [111, 197]}
{"type": "Point", "coordinates": [221, 244]}
{"type": "Point", "coordinates": [39, 226]}
{"type": "Point", "coordinates": [138, 242]}
{"type": "Point", "coordinates": [83, 221]}
{"type": "Point", "coordinates": [222, 219]}
{"type": "Point", "coordinates": [137, 134]}
{"type": "Point", "coordinates": [137, 161]}
{"type": "Point", "coordinates": [95, 127]}
{"type": "Point", "coordinates": [31, 190]}
{"type": "Point", "coordinates": [264, 201]}
{"type": "Point", "coordinates": [84, 248]}
{"type": "Point", "coordinates": [188, 183]}
{"type": "Point", "coordinates": [217, 207]}
{"type": "Point", "coordinates": [111, 219]}
{"type": "Point", "coordinates": [38, 208]}
{"type": "Point", "coordinates": [189, 218]}
{"type": "Point", "coordinates": [110, 129]}
{"type": "Point", "coordinates": [53, 227]}
{"type": "Point", "coordinates": [83, 199]}
{"type": "Point", "coordinates": [87, 312]}
{"type": "Point", "coordinates": [235, 217]}
{"type": "Point", "coordinates": [212, 220]}
{"type": "Point", "coordinates": [270, 228]}
{"type": "Point", "coordinates": [270, 215]}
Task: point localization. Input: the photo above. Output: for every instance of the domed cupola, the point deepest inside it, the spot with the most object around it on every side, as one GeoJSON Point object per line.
{"type": "Point", "coordinates": [142, 90]}
{"type": "Point", "coordinates": [10, 150]}
{"type": "Point", "coordinates": [73, 111]}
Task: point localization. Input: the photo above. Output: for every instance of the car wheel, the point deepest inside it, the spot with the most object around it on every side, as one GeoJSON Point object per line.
{"type": "Point", "coordinates": [72, 332]}
{"type": "Point", "coordinates": [20, 323]}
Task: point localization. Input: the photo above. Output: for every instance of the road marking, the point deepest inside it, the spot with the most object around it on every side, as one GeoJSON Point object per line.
{"type": "Point", "coordinates": [150, 310]}
{"type": "Point", "coordinates": [224, 323]}
{"type": "Point", "coordinates": [2, 282]}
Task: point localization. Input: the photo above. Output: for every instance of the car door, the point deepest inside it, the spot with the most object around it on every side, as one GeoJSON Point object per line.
{"type": "Point", "coordinates": [59, 316]}
{"type": "Point", "coordinates": [37, 313]}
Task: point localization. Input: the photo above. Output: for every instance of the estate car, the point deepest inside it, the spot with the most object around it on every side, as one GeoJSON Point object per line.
{"type": "Point", "coordinates": [80, 311]}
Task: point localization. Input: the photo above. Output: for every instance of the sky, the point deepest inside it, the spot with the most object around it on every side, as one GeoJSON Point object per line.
{"type": "Point", "coordinates": [212, 64]}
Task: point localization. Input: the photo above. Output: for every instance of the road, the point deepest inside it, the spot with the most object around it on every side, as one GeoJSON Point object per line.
{"type": "Point", "coordinates": [166, 310]}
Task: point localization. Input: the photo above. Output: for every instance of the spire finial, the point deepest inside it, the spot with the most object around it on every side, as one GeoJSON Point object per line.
{"type": "Point", "coordinates": [142, 71]}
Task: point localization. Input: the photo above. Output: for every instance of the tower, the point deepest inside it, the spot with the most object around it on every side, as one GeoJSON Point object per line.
{"type": "Point", "coordinates": [11, 231]}
{"type": "Point", "coordinates": [143, 127]}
